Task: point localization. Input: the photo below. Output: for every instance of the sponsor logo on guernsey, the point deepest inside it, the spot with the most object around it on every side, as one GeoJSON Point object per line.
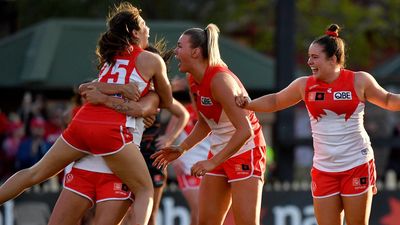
{"type": "Point", "coordinates": [316, 96]}
{"type": "Point", "coordinates": [364, 151]}
{"type": "Point", "coordinates": [359, 182]}
{"type": "Point", "coordinates": [125, 187]}
{"type": "Point", "coordinates": [158, 179]}
{"type": "Point", "coordinates": [117, 186]}
{"type": "Point", "coordinates": [120, 188]}
{"type": "Point", "coordinates": [342, 95]}
{"type": "Point", "coordinates": [242, 169]}
{"type": "Point", "coordinates": [69, 178]}
{"type": "Point", "coordinates": [206, 101]}
{"type": "Point", "coordinates": [245, 167]}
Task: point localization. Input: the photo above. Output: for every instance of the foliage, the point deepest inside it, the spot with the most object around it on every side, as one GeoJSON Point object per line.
{"type": "Point", "coordinates": [371, 29]}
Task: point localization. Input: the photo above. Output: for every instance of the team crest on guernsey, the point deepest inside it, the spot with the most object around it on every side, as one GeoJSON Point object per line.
{"type": "Point", "coordinates": [206, 101]}
{"type": "Point", "coordinates": [316, 96]}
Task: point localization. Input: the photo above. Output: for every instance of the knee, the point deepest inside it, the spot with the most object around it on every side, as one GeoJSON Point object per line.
{"type": "Point", "coordinates": [31, 176]}
{"type": "Point", "coordinates": [145, 190]}
{"type": "Point", "coordinates": [358, 221]}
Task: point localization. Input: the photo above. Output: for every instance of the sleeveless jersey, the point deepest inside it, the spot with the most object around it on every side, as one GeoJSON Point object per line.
{"type": "Point", "coordinates": [337, 116]}
{"type": "Point", "coordinates": [221, 127]}
{"type": "Point", "coordinates": [122, 72]}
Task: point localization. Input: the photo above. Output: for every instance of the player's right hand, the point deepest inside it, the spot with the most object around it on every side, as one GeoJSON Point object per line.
{"type": "Point", "coordinates": [130, 91]}
{"type": "Point", "coordinates": [242, 101]}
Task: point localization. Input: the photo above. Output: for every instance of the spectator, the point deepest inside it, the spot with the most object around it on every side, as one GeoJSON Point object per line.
{"type": "Point", "coordinates": [10, 146]}
{"type": "Point", "coordinates": [33, 148]}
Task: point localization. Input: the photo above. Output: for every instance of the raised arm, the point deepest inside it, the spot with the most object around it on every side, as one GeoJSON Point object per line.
{"type": "Point", "coordinates": [283, 99]}
{"type": "Point", "coordinates": [374, 93]}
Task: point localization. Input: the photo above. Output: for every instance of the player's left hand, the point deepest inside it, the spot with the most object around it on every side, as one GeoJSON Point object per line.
{"type": "Point", "coordinates": [202, 167]}
{"type": "Point", "coordinates": [93, 95]}
{"type": "Point", "coordinates": [165, 156]}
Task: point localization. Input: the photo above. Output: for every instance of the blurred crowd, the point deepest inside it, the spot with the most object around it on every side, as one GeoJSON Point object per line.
{"type": "Point", "coordinates": [28, 133]}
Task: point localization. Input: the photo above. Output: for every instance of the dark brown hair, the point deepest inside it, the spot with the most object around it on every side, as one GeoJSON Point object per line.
{"type": "Point", "coordinates": [121, 21]}
{"type": "Point", "coordinates": [332, 43]}
{"type": "Point", "coordinates": [160, 48]}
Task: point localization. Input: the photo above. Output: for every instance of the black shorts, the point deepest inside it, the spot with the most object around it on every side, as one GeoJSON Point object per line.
{"type": "Point", "coordinates": [158, 176]}
{"type": "Point", "coordinates": [148, 147]}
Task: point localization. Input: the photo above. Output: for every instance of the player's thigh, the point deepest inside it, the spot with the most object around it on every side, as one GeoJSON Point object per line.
{"type": "Point", "coordinates": [69, 209]}
{"type": "Point", "coordinates": [111, 212]}
{"type": "Point", "coordinates": [246, 200]}
{"type": "Point", "coordinates": [328, 210]}
{"type": "Point", "coordinates": [357, 209]}
{"type": "Point", "coordinates": [129, 165]}
{"type": "Point", "coordinates": [213, 189]}
{"type": "Point", "coordinates": [192, 199]}
{"type": "Point", "coordinates": [56, 159]}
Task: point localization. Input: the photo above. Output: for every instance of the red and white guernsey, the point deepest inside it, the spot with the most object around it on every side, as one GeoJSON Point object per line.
{"type": "Point", "coordinates": [122, 72]}
{"type": "Point", "coordinates": [216, 118]}
{"type": "Point", "coordinates": [337, 118]}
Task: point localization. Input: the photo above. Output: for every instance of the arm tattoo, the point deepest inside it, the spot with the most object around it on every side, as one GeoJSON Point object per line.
{"type": "Point", "coordinates": [122, 107]}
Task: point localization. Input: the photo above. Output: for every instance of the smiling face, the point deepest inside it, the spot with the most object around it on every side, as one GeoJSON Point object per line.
{"type": "Point", "coordinates": [320, 64]}
{"type": "Point", "coordinates": [183, 53]}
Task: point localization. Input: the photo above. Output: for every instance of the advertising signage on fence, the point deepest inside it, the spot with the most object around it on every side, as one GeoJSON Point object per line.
{"type": "Point", "coordinates": [278, 208]}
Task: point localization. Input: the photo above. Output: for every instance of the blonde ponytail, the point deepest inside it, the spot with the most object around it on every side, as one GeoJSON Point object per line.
{"type": "Point", "coordinates": [214, 56]}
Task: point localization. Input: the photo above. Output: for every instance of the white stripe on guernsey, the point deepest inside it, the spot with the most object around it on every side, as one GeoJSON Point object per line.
{"type": "Point", "coordinates": [78, 193]}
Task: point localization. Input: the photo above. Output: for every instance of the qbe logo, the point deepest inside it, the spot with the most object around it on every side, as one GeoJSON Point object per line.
{"type": "Point", "coordinates": [342, 95]}
{"type": "Point", "coordinates": [206, 101]}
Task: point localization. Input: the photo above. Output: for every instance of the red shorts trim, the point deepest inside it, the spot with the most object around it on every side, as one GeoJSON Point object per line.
{"type": "Point", "coordinates": [251, 163]}
{"type": "Point", "coordinates": [95, 138]}
{"type": "Point", "coordinates": [188, 182]}
{"type": "Point", "coordinates": [97, 187]}
{"type": "Point", "coordinates": [351, 182]}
